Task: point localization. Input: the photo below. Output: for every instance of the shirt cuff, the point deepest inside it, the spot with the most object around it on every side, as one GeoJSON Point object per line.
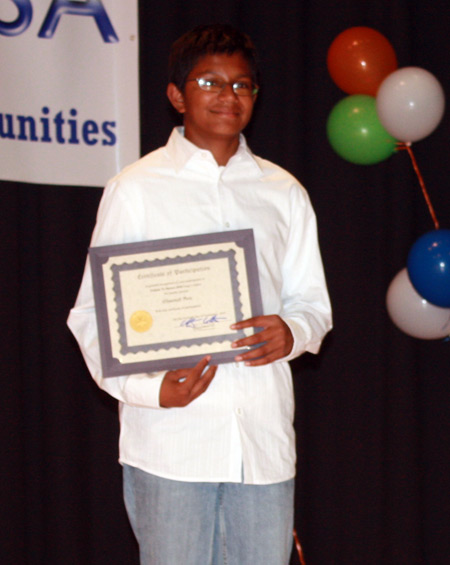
{"type": "Point", "coordinates": [300, 340]}
{"type": "Point", "coordinates": [142, 389]}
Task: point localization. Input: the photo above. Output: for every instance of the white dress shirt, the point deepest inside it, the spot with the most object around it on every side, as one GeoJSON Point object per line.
{"type": "Point", "coordinates": [243, 423]}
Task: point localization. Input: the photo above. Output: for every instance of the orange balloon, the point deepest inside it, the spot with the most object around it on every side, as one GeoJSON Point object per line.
{"type": "Point", "coordinates": [359, 59]}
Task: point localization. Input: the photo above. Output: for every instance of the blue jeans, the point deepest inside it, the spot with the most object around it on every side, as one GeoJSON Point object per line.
{"type": "Point", "coordinates": [184, 523]}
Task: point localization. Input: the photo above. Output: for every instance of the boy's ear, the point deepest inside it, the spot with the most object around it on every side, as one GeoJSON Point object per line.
{"type": "Point", "coordinates": [176, 97]}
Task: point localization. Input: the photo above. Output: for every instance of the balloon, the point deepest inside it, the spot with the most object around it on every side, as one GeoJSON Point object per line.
{"type": "Point", "coordinates": [359, 59]}
{"type": "Point", "coordinates": [413, 314]}
{"type": "Point", "coordinates": [429, 267]}
{"type": "Point", "coordinates": [355, 132]}
{"type": "Point", "coordinates": [410, 103]}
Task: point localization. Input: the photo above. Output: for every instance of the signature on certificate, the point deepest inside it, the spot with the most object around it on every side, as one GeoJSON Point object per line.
{"type": "Point", "coordinates": [202, 321]}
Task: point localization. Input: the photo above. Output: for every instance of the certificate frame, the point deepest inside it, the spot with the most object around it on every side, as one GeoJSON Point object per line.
{"type": "Point", "coordinates": [165, 304]}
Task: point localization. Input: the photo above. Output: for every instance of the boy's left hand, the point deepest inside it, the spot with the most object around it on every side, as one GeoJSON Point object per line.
{"type": "Point", "coordinates": [275, 338]}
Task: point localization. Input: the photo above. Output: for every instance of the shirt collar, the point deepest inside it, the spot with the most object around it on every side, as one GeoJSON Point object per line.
{"type": "Point", "coordinates": [181, 151]}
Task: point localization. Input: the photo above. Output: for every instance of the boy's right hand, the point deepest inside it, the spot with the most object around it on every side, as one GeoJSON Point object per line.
{"type": "Point", "coordinates": [179, 388]}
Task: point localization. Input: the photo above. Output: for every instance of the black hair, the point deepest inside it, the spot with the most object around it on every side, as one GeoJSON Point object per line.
{"type": "Point", "coordinates": [209, 40]}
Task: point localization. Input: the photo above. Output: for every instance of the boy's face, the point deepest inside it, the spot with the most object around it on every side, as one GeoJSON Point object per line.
{"type": "Point", "coordinates": [213, 116]}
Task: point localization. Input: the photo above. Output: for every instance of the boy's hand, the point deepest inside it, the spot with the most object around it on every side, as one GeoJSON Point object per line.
{"type": "Point", "coordinates": [275, 338]}
{"type": "Point", "coordinates": [179, 388]}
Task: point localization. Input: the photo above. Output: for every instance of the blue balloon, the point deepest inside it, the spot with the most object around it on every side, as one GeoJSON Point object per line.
{"type": "Point", "coordinates": [429, 267]}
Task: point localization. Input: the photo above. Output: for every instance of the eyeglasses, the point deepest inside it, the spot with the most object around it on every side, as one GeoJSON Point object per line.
{"type": "Point", "coordinates": [240, 87]}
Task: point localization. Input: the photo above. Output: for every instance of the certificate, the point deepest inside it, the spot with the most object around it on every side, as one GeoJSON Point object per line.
{"type": "Point", "coordinates": [165, 304]}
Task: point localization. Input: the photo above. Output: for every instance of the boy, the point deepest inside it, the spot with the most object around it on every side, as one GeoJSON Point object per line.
{"type": "Point", "coordinates": [208, 453]}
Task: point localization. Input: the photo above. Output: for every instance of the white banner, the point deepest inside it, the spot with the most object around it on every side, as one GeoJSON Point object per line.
{"type": "Point", "coordinates": [69, 102]}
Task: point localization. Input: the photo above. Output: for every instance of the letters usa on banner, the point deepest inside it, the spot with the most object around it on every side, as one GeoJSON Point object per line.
{"type": "Point", "coordinates": [69, 99]}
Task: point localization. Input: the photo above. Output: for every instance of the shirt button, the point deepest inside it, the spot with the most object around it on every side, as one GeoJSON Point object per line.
{"type": "Point", "coordinates": [227, 224]}
{"type": "Point", "coordinates": [239, 411]}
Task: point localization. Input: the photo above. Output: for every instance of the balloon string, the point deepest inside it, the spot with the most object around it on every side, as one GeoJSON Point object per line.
{"type": "Point", "coordinates": [299, 548]}
{"type": "Point", "coordinates": [408, 148]}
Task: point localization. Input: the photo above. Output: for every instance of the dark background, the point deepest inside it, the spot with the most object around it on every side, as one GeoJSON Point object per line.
{"type": "Point", "coordinates": [372, 408]}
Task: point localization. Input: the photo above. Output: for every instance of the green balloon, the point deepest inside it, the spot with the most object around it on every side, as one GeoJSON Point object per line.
{"type": "Point", "coordinates": [355, 132]}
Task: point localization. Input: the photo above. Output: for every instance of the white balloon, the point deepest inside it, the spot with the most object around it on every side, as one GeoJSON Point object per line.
{"type": "Point", "coordinates": [410, 103]}
{"type": "Point", "coordinates": [413, 314]}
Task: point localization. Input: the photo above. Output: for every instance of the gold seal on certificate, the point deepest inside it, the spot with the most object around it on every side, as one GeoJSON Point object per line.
{"type": "Point", "coordinates": [165, 304]}
{"type": "Point", "coordinates": [141, 321]}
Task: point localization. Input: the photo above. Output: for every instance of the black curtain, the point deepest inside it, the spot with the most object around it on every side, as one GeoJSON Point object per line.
{"type": "Point", "coordinates": [372, 408]}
